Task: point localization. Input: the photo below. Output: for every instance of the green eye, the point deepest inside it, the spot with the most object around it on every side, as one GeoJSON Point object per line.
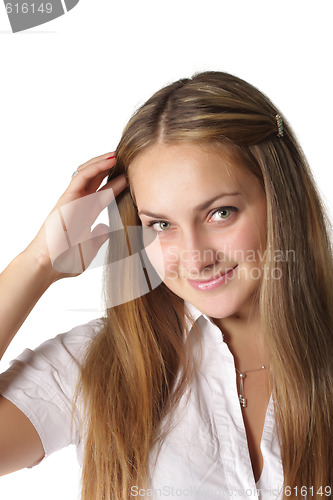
{"type": "Point", "coordinates": [160, 226]}
{"type": "Point", "coordinates": [164, 225]}
{"type": "Point", "coordinates": [223, 213]}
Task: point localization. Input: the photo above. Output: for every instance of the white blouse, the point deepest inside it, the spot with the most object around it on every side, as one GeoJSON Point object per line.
{"type": "Point", "coordinates": [205, 455]}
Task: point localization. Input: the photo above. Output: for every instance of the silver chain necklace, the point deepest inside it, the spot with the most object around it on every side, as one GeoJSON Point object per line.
{"type": "Point", "coordinates": [242, 375]}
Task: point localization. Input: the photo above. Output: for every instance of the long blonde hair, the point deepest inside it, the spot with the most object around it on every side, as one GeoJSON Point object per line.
{"type": "Point", "coordinates": [139, 366]}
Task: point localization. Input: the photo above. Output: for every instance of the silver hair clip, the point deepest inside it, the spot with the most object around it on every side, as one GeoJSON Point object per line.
{"type": "Point", "coordinates": [279, 124]}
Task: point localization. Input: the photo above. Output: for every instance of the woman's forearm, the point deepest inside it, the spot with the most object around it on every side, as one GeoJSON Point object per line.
{"type": "Point", "coordinates": [22, 283]}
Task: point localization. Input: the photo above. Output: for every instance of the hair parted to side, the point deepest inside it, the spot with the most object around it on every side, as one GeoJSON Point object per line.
{"type": "Point", "coordinates": [139, 366]}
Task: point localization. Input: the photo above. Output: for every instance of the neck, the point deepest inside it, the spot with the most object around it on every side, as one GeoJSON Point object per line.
{"type": "Point", "coordinates": [244, 337]}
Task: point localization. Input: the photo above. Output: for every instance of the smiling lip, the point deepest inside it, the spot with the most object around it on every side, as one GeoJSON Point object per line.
{"type": "Point", "coordinates": [210, 284]}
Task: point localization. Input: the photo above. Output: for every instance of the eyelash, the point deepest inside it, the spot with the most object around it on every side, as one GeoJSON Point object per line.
{"type": "Point", "coordinates": [220, 209]}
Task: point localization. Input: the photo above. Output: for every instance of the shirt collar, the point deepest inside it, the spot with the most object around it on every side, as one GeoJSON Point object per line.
{"type": "Point", "coordinates": [196, 314]}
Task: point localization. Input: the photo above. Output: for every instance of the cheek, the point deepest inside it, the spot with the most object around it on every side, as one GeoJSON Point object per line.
{"type": "Point", "coordinates": [244, 244]}
{"type": "Point", "coordinates": [155, 255]}
{"type": "Point", "coordinates": [164, 258]}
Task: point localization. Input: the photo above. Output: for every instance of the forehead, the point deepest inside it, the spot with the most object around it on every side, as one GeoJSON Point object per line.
{"type": "Point", "coordinates": [185, 170]}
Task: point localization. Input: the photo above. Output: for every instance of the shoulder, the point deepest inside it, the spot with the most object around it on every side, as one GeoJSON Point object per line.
{"type": "Point", "coordinates": [66, 347]}
{"type": "Point", "coordinates": [54, 365]}
{"type": "Point", "coordinates": [71, 345]}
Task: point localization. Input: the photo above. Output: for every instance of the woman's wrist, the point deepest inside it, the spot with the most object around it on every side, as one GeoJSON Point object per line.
{"type": "Point", "coordinates": [38, 262]}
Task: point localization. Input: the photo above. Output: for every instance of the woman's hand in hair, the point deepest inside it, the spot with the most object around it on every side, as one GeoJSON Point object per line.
{"type": "Point", "coordinates": [66, 244]}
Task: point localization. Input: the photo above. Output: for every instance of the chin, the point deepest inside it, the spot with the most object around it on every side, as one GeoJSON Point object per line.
{"type": "Point", "coordinates": [216, 312]}
{"type": "Point", "coordinates": [223, 305]}
{"type": "Point", "coordinates": [214, 307]}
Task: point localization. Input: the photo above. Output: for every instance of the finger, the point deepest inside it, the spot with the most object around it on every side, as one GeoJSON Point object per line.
{"type": "Point", "coordinates": [95, 183]}
{"type": "Point", "coordinates": [94, 162]}
{"type": "Point", "coordinates": [85, 175]}
{"type": "Point", "coordinates": [106, 157]}
{"type": "Point", "coordinates": [96, 159]}
{"type": "Point", "coordinates": [118, 184]}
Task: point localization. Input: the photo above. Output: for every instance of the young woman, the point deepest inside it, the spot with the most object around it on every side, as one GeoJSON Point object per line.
{"type": "Point", "coordinates": [211, 374]}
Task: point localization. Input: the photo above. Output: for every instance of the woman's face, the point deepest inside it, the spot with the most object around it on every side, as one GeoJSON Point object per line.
{"type": "Point", "coordinates": [208, 217]}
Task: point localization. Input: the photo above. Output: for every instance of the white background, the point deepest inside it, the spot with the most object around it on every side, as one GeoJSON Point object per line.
{"type": "Point", "coordinates": [67, 90]}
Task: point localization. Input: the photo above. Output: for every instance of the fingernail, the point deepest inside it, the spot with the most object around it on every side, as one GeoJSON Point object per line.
{"type": "Point", "coordinates": [110, 157]}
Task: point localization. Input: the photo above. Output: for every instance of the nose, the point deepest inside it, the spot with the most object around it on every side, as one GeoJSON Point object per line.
{"type": "Point", "coordinates": [196, 255]}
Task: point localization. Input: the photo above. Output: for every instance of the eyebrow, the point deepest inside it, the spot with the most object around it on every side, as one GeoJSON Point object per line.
{"type": "Point", "coordinates": [198, 208]}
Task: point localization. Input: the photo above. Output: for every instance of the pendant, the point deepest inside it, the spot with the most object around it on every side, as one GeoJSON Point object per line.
{"type": "Point", "coordinates": [242, 398]}
{"type": "Point", "coordinates": [242, 401]}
